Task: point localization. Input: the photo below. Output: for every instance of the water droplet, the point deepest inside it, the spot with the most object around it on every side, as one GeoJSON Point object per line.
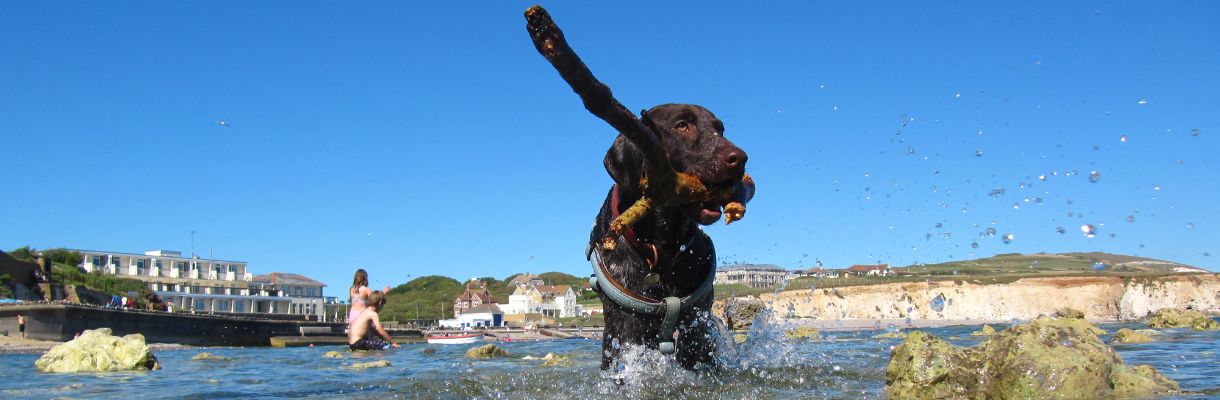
{"type": "Point", "coordinates": [938, 224]}
{"type": "Point", "coordinates": [1098, 266]}
{"type": "Point", "coordinates": [978, 153]}
{"type": "Point", "coordinates": [1123, 138]}
{"type": "Point", "coordinates": [1130, 219]}
{"type": "Point", "coordinates": [1016, 206]}
{"type": "Point", "coordinates": [974, 245]}
{"type": "Point", "coordinates": [1042, 177]}
{"type": "Point", "coordinates": [1088, 230]}
{"type": "Point", "coordinates": [938, 303]}
{"type": "Point", "coordinates": [990, 232]}
{"type": "Point", "coordinates": [957, 95]}
{"type": "Point", "coordinates": [1094, 176]}
{"type": "Point", "coordinates": [1142, 101]}
{"type": "Point", "coordinates": [1060, 230]}
{"type": "Point", "coordinates": [1038, 200]}
{"type": "Point", "coordinates": [1194, 132]}
{"type": "Point", "coordinates": [1190, 225]}
{"type": "Point", "coordinates": [1007, 238]}
{"type": "Point", "coordinates": [1156, 187]}
{"type": "Point", "coordinates": [682, 248]}
{"type": "Point", "coordinates": [835, 108]}
{"type": "Point", "coordinates": [1207, 254]}
{"type": "Point", "coordinates": [996, 192]}
{"type": "Point", "coordinates": [946, 235]}
{"type": "Point", "coordinates": [910, 150]}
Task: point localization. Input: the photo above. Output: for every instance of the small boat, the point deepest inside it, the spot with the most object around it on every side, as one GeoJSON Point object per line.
{"type": "Point", "coordinates": [455, 339]}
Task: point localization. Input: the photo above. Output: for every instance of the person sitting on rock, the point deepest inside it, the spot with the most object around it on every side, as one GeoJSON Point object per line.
{"type": "Point", "coordinates": [360, 336]}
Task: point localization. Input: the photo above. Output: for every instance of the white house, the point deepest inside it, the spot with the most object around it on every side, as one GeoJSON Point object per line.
{"type": "Point", "coordinates": [485, 315]}
{"type": "Point", "coordinates": [549, 300]}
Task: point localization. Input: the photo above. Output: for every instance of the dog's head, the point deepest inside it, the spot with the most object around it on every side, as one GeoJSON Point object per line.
{"type": "Point", "coordinates": [694, 140]}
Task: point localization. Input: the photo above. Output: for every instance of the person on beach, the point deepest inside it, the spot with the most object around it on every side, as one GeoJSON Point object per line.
{"type": "Point", "coordinates": [359, 294]}
{"type": "Point", "coordinates": [360, 336]}
{"type": "Point", "coordinates": [21, 325]}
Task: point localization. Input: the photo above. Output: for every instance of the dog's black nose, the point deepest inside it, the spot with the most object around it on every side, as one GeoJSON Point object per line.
{"type": "Point", "coordinates": [734, 159]}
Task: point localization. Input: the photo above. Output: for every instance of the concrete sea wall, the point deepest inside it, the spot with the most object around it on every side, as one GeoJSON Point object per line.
{"type": "Point", "coordinates": [61, 322]}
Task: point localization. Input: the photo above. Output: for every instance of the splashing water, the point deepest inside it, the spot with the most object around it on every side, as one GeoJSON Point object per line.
{"type": "Point", "coordinates": [1088, 230]}
{"type": "Point", "coordinates": [1094, 176]}
{"type": "Point", "coordinates": [1007, 238]}
{"type": "Point", "coordinates": [1142, 101]}
{"type": "Point", "coordinates": [938, 303]}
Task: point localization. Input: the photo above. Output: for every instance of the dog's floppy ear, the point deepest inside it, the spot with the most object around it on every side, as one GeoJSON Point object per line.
{"type": "Point", "coordinates": [625, 164]}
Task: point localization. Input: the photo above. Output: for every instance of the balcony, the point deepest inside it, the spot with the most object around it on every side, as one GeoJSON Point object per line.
{"type": "Point", "coordinates": [193, 274]}
{"type": "Point", "coordinates": [248, 277]}
{"type": "Point", "coordinates": [212, 275]}
{"type": "Point", "coordinates": [230, 276]}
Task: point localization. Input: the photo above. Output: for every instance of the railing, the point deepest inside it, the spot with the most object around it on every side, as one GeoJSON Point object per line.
{"type": "Point", "coordinates": [248, 277]}
{"type": "Point", "coordinates": [212, 275]}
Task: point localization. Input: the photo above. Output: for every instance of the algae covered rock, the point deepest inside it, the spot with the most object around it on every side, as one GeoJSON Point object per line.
{"type": "Point", "coordinates": [741, 312]}
{"type": "Point", "coordinates": [552, 360]}
{"type": "Point", "coordinates": [486, 351]}
{"type": "Point", "coordinates": [1179, 318]}
{"type": "Point", "coordinates": [1069, 313]}
{"type": "Point", "coordinates": [891, 335]}
{"type": "Point", "coordinates": [333, 354]}
{"type": "Point", "coordinates": [1125, 335]}
{"type": "Point", "coordinates": [803, 332]}
{"type": "Point", "coordinates": [370, 364]}
{"type": "Point", "coordinates": [986, 331]}
{"type": "Point", "coordinates": [98, 351]}
{"type": "Point", "coordinates": [1045, 358]}
{"type": "Point", "coordinates": [205, 356]}
{"type": "Point", "coordinates": [740, 338]}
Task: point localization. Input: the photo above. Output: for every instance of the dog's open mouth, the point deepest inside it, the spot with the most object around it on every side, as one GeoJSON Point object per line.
{"type": "Point", "coordinates": [706, 213]}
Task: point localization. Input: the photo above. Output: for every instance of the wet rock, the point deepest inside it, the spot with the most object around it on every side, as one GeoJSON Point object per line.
{"type": "Point", "coordinates": [741, 312]}
{"type": "Point", "coordinates": [1179, 318]}
{"type": "Point", "coordinates": [1125, 335]}
{"type": "Point", "coordinates": [891, 335]}
{"type": "Point", "coordinates": [428, 350]}
{"type": "Point", "coordinates": [486, 351]}
{"type": "Point", "coordinates": [209, 357]}
{"type": "Point", "coordinates": [333, 354]}
{"type": "Point", "coordinates": [552, 360]}
{"type": "Point", "coordinates": [98, 351]}
{"type": "Point", "coordinates": [740, 338]}
{"type": "Point", "coordinates": [1069, 313]}
{"type": "Point", "coordinates": [370, 364]}
{"type": "Point", "coordinates": [1045, 358]}
{"type": "Point", "coordinates": [803, 332]}
{"type": "Point", "coordinates": [986, 331]}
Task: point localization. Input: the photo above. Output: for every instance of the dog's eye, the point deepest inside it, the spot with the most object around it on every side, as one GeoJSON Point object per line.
{"type": "Point", "coordinates": [682, 126]}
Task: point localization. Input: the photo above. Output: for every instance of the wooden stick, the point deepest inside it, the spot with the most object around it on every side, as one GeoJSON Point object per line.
{"type": "Point", "coordinates": [598, 99]}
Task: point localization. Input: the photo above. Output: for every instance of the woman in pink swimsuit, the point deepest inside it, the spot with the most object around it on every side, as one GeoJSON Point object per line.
{"type": "Point", "coordinates": [359, 293]}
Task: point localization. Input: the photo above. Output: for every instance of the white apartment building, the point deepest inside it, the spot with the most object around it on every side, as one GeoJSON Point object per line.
{"type": "Point", "coordinates": [549, 300]}
{"type": "Point", "coordinates": [304, 294]}
{"type": "Point", "coordinates": [196, 284]}
{"type": "Point", "coordinates": [752, 275]}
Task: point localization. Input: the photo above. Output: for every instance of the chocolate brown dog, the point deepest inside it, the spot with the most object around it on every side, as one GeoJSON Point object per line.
{"type": "Point", "coordinates": [664, 256]}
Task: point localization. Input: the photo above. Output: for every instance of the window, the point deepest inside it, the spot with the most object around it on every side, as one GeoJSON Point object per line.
{"type": "Point", "coordinates": [232, 268]}
{"type": "Point", "coordinates": [97, 260]}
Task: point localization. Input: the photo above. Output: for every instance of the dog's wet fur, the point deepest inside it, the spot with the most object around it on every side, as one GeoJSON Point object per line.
{"type": "Point", "coordinates": [694, 139]}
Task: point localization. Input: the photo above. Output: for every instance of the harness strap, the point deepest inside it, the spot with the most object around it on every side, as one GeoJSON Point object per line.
{"type": "Point", "coordinates": [669, 308]}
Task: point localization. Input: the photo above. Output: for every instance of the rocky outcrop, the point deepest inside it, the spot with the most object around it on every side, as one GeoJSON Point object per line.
{"type": "Point", "coordinates": [1098, 298]}
{"type": "Point", "coordinates": [1128, 336]}
{"type": "Point", "coordinates": [891, 335]}
{"type": "Point", "coordinates": [486, 351]}
{"type": "Point", "coordinates": [333, 354]}
{"type": "Point", "coordinates": [803, 332]}
{"type": "Point", "coordinates": [740, 313]}
{"type": "Point", "coordinates": [98, 351]}
{"type": "Point", "coordinates": [370, 364]}
{"type": "Point", "coordinates": [205, 356]}
{"type": "Point", "coordinates": [1045, 358]}
{"type": "Point", "coordinates": [986, 331]}
{"type": "Point", "coordinates": [1179, 318]}
{"type": "Point", "coordinates": [552, 360]}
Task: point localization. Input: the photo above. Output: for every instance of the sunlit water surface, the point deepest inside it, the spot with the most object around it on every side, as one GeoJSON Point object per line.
{"type": "Point", "coordinates": [846, 365]}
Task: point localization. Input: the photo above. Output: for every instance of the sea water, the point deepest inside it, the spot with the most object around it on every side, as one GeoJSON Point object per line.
{"type": "Point", "coordinates": [844, 365]}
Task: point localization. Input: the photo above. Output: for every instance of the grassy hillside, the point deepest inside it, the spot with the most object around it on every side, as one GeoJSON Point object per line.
{"type": "Point", "coordinates": [427, 294]}
{"type": "Point", "coordinates": [998, 269]}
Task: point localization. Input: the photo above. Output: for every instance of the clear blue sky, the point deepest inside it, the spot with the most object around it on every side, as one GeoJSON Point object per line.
{"type": "Point", "coordinates": [431, 138]}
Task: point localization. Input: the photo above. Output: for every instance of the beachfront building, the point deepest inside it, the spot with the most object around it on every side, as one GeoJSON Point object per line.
{"type": "Point", "coordinates": [871, 270]}
{"type": "Point", "coordinates": [476, 294]}
{"type": "Point", "coordinates": [752, 275]}
{"type": "Point", "coordinates": [484, 315]}
{"type": "Point", "coordinates": [304, 294]}
{"type": "Point", "coordinates": [552, 301]}
{"type": "Point", "coordinates": [193, 284]}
